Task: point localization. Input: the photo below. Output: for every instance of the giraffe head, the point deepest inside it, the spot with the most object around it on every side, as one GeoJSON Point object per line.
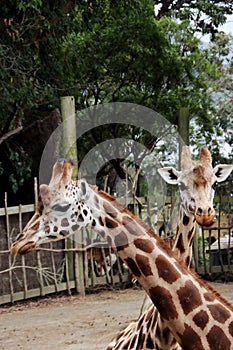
{"type": "Point", "coordinates": [60, 211]}
{"type": "Point", "coordinates": [196, 181]}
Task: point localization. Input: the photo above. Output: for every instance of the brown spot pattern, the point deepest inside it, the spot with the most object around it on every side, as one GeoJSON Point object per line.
{"type": "Point", "coordinates": [47, 229]}
{"type": "Point", "coordinates": [101, 221]}
{"type": "Point", "coordinates": [144, 244]}
{"type": "Point", "coordinates": [190, 233]}
{"type": "Point", "coordinates": [143, 264]}
{"type": "Point", "coordinates": [166, 270]}
{"type": "Point", "coordinates": [190, 339]}
{"type": "Point", "coordinates": [180, 244]}
{"type": "Point", "coordinates": [231, 328]}
{"type": "Point", "coordinates": [185, 220]}
{"type": "Point", "coordinates": [201, 319]}
{"type": "Point", "coordinates": [217, 339]}
{"type": "Point", "coordinates": [189, 297]}
{"type": "Point", "coordinates": [131, 225]}
{"type": "Point", "coordinates": [187, 260]}
{"type": "Point", "coordinates": [64, 233]}
{"type": "Point", "coordinates": [35, 226]}
{"type": "Point", "coordinates": [75, 227]}
{"type": "Point", "coordinates": [133, 267]}
{"type": "Point", "coordinates": [121, 241]}
{"type": "Point", "coordinates": [219, 312]}
{"type": "Point", "coordinates": [110, 210]}
{"type": "Point", "coordinates": [209, 297]}
{"type": "Point", "coordinates": [162, 299]}
{"type": "Point", "coordinates": [111, 223]}
{"type": "Point", "coordinates": [64, 222]}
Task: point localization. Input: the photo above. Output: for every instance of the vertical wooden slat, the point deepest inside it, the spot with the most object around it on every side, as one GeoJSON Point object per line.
{"type": "Point", "coordinates": [149, 221]}
{"type": "Point", "coordinates": [41, 280]}
{"type": "Point", "coordinates": [93, 276]}
{"type": "Point", "coordinates": [35, 190]}
{"type": "Point", "coordinates": [195, 248]}
{"type": "Point", "coordinates": [25, 286]}
{"type": "Point", "coordinates": [86, 277]}
{"type": "Point", "coordinates": [126, 187]}
{"type": "Point", "coordinates": [111, 266]}
{"type": "Point", "coordinates": [53, 267]}
{"type": "Point", "coordinates": [203, 248]}
{"type": "Point", "coordinates": [9, 243]}
{"type": "Point", "coordinates": [219, 233]}
{"type": "Point", "coordinates": [67, 268]}
{"type": "Point", "coordinates": [76, 267]}
{"type": "Point", "coordinates": [38, 258]}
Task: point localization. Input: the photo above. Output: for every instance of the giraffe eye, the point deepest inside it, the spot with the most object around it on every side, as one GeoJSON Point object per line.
{"type": "Point", "coordinates": [61, 207]}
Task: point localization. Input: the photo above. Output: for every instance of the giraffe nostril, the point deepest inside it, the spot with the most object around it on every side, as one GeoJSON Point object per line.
{"type": "Point", "coordinates": [209, 211]}
{"type": "Point", "coordinates": [199, 211]}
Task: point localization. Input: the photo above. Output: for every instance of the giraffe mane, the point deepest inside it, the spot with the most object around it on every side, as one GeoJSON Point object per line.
{"type": "Point", "coordinates": [210, 288]}
{"type": "Point", "coordinates": [124, 210]}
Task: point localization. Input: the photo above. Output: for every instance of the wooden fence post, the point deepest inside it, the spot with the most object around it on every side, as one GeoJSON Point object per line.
{"type": "Point", "coordinates": [69, 143]}
{"type": "Point", "coordinates": [183, 127]}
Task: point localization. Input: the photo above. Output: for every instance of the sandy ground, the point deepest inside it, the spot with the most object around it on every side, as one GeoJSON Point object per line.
{"type": "Point", "coordinates": [68, 323]}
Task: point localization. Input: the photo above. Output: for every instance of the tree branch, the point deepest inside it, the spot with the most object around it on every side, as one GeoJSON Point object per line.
{"type": "Point", "coordinates": [10, 133]}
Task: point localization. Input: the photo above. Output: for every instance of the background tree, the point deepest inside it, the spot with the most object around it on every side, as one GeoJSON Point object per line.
{"type": "Point", "coordinates": [103, 51]}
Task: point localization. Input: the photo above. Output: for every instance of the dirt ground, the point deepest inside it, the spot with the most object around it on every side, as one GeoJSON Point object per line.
{"type": "Point", "coordinates": [74, 323]}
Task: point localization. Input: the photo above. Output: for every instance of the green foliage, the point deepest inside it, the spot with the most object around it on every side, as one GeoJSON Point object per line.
{"type": "Point", "coordinates": [103, 50]}
{"type": "Point", "coordinates": [220, 137]}
{"type": "Point", "coordinates": [21, 170]}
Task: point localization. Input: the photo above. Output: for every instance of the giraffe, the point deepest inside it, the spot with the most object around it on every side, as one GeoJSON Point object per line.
{"type": "Point", "coordinates": [195, 180]}
{"type": "Point", "coordinates": [198, 317]}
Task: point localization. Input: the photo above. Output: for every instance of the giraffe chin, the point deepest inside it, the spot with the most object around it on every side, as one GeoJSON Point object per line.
{"type": "Point", "coordinates": [22, 249]}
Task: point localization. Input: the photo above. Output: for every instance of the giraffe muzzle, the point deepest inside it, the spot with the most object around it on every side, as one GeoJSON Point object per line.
{"type": "Point", "coordinates": [205, 217]}
{"type": "Point", "coordinates": [22, 247]}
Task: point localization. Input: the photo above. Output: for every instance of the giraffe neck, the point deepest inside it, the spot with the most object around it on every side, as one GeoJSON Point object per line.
{"type": "Point", "coordinates": [184, 302]}
{"type": "Point", "coordinates": [155, 330]}
{"type": "Point", "coordinates": [182, 246]}
{"type": "Point", "coordinates": [183, 241]}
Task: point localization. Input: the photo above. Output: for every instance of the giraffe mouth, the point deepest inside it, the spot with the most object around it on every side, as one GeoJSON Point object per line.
{"type": "Point", "coordinates": [205, 220]}
{"type": "Point", "coordinates": [22, 248]}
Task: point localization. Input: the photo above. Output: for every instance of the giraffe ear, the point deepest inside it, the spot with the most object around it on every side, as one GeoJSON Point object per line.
{"type": "Point", "coordinates": [169, 174]}
{"type": "Point", "coordinates": [67, 170]}
{"type": "Point", "coordinates": [62, 171]}
{"type": "Point", "coordinates": [222, 171]}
